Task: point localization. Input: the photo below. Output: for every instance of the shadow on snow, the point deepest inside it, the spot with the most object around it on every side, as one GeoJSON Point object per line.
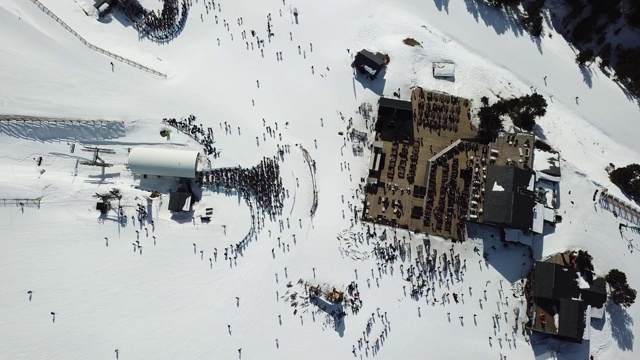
{"type": "Point", "coordinates": [335, 310]}
{"type": "Point", "coordinates": [621, 326]}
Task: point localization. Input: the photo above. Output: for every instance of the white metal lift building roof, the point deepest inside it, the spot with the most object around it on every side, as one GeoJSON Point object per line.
{"type": "Point", "coordinates": [165, 162]}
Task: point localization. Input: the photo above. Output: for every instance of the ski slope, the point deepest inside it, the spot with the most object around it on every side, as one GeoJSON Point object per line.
{"type": "Point", "coordinates": [167, 302]}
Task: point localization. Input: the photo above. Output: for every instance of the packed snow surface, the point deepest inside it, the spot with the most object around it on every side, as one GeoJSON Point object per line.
{"type": "Point", "coordinates": [78, 286]}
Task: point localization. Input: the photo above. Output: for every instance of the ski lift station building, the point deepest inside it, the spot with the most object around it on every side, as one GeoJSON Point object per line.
{"type": "Point", "coordinates": [165, 162]}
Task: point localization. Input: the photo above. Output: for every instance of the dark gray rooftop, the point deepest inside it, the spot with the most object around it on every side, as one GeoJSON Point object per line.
{"type": "Point", "coordinates": [555, 282]}
{"type": "Point", "coordinates": [178, 200]}
{"type": "Point", "coordinates": [394, 109]}
{"type": "Point", "coordinates": [559, 284]}
{"type": "Point", "coordinates": [571, 319]}
{"type": "Point", "coordinates": [375, 61]}
{"type": "Point", "coordinates": [507, 202]}
{"type": "Point", "coordinates": [544, 276]}
{"type": "Point", "coordinates": [375, 58]}
{"type": "Point", "coordinates": [395, 103]}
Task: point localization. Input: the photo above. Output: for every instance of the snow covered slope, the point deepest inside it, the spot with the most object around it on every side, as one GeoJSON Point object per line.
{"type": "Point", "coordinates": [167, 302]}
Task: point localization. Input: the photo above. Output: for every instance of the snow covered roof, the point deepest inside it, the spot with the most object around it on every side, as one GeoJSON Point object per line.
{"type": "Point", "coordinates": [587, 322]}
{"type": "Point", "coordinates": [544, 176]}
{"type": "Point", "coordinates": [369, 70]}
{"type": "Point", "coordinates": [165, 162]}
{"type": "Point", "coordinates": [547, 163]}
{"type": "Point", "coordinates": [549, 215]}
{"type": "Point", "coordinates": [596, 313]}
{"type": "Point", "coordinates": [375, 161]}
{"type": "Point", "coordinates": [538, 219]}
{"type": "Point", "coordinates": [444, 69]}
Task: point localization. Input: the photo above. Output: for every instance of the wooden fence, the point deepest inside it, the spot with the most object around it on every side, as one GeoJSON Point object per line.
{"type": "Point", "coordinates": [95, 48]}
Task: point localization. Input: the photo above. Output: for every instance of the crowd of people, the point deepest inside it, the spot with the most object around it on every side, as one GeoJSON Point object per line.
{"type": "Point", "coordinates": [355, 303]}
{"type": "Point", "coordinates": [389, 251]}
{"type": "Point", "coordinates": [436, 278]}
{"type": "Point", "coordinates": [451, 203]}
{"type": "Point", "coordinates": [403, 154]}
{"type": "Point", "coordinates": [368, 341]}
{"type": "Point", "coordinates": [427, 270]}
{"type": "Point", "coordinates": [189, 127]}
{"type": "Point", "coordinates": [166, 24]}
{"type": "Point", "coordinates": [448, 199]}
{"type": "Point", "coordinates": [262, 181]}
